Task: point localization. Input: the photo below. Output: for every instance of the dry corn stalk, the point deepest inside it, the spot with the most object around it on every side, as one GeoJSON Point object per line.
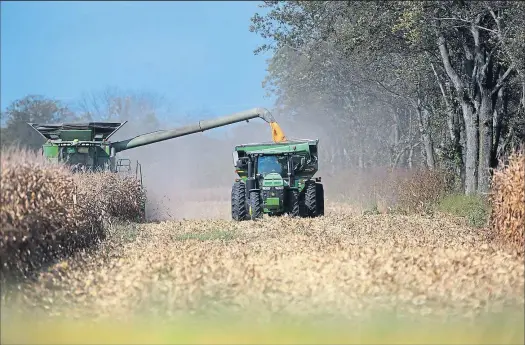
{"type": "Point", "coordinates": [49, 212]}
{"type": "Point", "coordinates": [508, 200]}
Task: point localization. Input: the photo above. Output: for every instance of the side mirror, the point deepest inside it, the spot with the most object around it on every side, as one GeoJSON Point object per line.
{"type": "Point", "coordinates": [235, 156]}
{"type": "Point", "coordinates": [241, 164]}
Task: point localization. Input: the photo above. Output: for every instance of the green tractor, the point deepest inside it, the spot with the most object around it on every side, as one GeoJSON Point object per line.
{"type": "Point", "coordinates": [277, 179]}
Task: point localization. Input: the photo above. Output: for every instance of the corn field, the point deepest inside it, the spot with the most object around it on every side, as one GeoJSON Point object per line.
{"type": "Point", "coordinates": [72, 249]}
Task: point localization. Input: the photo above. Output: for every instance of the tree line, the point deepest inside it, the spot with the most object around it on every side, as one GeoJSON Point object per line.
{"type": "Point", "coordinates": [141, 109]}
{"type": "Point", "coordinates": [170, 163]}
{"type": "Point", "coordinates": [400, 84]}
{"type": "Point", "coordinates": [438, 84]}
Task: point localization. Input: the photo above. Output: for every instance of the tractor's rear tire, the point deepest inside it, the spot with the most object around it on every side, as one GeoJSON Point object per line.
{"type": "Point", "coordinates": [310, 199]}
{"type": "Point", "coordinates": [255, 204]}
{"type": "Point", "coordinates": [239, 210]}
{"type": "Point", "coordinates": [320, 199]}
{"type": "Point", "coordinates": [293, 203]}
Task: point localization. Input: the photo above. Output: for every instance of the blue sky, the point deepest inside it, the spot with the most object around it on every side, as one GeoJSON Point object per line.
{"type": "Point", "coordinates": [198, 55]}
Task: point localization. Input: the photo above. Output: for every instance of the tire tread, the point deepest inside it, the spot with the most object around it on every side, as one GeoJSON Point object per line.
{"type": "Point", "coordinates": [238, 201]}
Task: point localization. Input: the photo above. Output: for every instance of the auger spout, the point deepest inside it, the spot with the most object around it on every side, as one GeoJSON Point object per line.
{"type": "Point", "coordinates": [201, 126]}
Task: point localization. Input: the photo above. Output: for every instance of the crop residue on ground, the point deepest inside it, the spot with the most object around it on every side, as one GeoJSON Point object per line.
{"type": "Point", "coordinates": [341, 264]}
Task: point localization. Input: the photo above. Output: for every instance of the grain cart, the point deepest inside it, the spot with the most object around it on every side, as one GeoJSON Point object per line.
{"type": "Point", "coordinates": [277, 178]}
{"type": "Point", "coordinates": [86, 146]}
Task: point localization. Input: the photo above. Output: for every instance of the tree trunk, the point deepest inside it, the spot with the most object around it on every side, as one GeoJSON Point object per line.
{"type": "Point", "coordinates": [462, 145]}
{"type": "Point", "coordinates": [485, 141]}
{"type": "Point", "coordinates": [469, 118]}
{"type": "Point", "coordinates": [361, 158]}
{"type": "Point", "coordinates": [523, 94]}
{"type": "Point", "coordinates": [472, 148]}
{"type": "Point", "coordinates": [428, 145]}
{"type": "Point", "coordinates": [452, 126]}
{"type": "Point", "coordinates": [500, 112]}
{"type": "Point", "coordinates": [410, 157]}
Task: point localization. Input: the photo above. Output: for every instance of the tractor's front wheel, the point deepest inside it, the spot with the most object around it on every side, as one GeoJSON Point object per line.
{"type": "Point", "coordinates": [238, 199]}
{"type": "Point", "coordinates": [293, 203]}
{"type": "Point", "coordinates": [255, 205]}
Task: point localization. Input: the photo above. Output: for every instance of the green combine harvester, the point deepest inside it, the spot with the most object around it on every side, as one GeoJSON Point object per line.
{"type": "Point", "coordinates": [86, 146]}
{"type": "Point", "coordinates": [277, 178]}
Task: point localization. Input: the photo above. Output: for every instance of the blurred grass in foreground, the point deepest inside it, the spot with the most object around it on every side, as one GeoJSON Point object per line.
{"type": "Point", "coordinates": [501, 328]}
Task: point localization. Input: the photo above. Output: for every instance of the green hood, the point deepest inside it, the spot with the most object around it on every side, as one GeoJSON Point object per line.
{"type": "Point", "coordinates": [273, 180]}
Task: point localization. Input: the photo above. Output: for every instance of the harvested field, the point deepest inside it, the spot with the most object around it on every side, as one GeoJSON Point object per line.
{"type": "Point", "coordinates": [340, 264]}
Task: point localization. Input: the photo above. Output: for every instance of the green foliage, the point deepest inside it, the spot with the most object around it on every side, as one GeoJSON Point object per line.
{"type": "Point", "coordinates": [474, 209]}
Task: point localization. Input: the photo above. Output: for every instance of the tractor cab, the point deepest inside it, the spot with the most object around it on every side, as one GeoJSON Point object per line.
{"type": "Point", "coordinates": [280, 164]}
{"type": "Point", "coordinates": [276, 164]}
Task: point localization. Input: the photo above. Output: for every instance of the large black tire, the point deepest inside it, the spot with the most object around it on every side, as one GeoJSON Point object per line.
{"type": "Point", "coordinates": [239, 211]}
{"type": "Point", "coordinates": [303, 211]}
{"type": "Point", "coordinates": [320, 199]}
{"type": "Point", "coordinates": [293, 203]}
{"type": "Point", "coordinates": [256, 210]}
{"type": "Point", "coordinates": [310, 199]}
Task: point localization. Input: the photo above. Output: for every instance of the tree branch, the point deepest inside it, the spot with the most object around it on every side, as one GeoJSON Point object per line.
{"type": "Point", "coordinates": [468, 22]}
{"type": "Point", "coordinates": [443, 50]}
{"type": "Point", "coordinates": [411, 101]}
{"type": "Point", "coordinates": [502, 79]}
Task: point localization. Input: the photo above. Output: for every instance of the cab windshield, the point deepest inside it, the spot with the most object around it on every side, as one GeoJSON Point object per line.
{"type": "Point", "coordinates": [272, 164]}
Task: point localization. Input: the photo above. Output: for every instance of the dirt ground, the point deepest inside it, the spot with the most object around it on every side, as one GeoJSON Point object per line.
{"type": "Point", "coordinates": [344, 263]}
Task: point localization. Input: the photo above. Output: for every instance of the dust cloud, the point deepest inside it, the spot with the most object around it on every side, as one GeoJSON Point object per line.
{"type": "Point", "coordinates": [355, 147]}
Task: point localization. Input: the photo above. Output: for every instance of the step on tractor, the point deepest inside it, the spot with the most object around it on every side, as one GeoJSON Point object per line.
{"type": "Point", "coordinates": [276, 179]}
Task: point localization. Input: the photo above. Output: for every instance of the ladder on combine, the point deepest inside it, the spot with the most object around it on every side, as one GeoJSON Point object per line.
{"type": "Point", "coordinates": [124, 165]}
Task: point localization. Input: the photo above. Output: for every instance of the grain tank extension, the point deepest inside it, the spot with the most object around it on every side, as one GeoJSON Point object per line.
{"type": "Point", "coordinates": [86, 146]}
